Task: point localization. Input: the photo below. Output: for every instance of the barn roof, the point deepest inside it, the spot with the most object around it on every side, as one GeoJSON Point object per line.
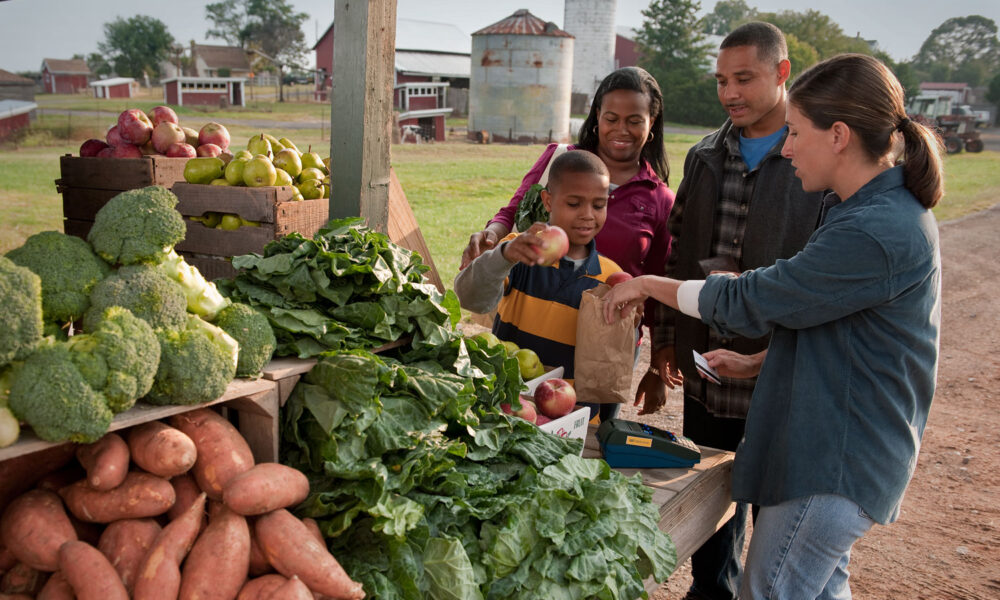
{"type": "Point", "coordinates": [433, 63]}
{"type": "Point", "coordinates": [12, 108]}
{"type": "Point", "coordinates": [222, 57]}
{"type": "Point", "coordinates": [73, 66]}
{"type": "Point", "coordinates": [522, 22]}
{"type": "Point", "coordinates": [6, 77]}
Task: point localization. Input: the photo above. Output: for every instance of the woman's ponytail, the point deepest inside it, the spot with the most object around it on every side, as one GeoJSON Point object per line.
{"type": "Point", "coordinates": [922, 166]}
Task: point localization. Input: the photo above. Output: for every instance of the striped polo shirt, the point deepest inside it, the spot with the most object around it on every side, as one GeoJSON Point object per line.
{"type": "Point", "coordinates": [540, 304]}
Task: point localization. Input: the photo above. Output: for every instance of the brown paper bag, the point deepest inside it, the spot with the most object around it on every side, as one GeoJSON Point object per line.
{"type": "Point", "coordinates": [605, 354]}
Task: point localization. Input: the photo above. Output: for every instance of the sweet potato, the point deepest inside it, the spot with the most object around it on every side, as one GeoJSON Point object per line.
{"type": "Point", "coordinates": [141, 495]}
{"type": "Point", "coordinates": [259, 564]}
{"type": "Point", "coordinates": [222, 451]}
{"type": "Point", "coordinates": [22, 579]}
{"type": "Point", "coordinates": [106, 462]}
{"type": "Point", "coordinates": [261, 588]}
{"type": "Point", "coordinates": [159, 576]}
{"type": "Point", "coordinates": [314, 529]}
{"type": "Point", "coordinates": [292, 550]}
{"type": "Point", "coordinates": [126, 543]}
{"type": "Point", "coordinates": [56, 588]}
{"type": "Point", "coordinates": [219, 561]}
{"type": "Point", "coordinates": [161, 449]}
{"type": "Point", "coordinates": [89, 573]}
{"type": "Point", "coordinates": [33, 528]}
{"type": "Point", "coordinates": [265, 487]}
{"type": "Point", "coordinates": [293, 589]}
{"type": "Point", "coordinates": [186, 491]}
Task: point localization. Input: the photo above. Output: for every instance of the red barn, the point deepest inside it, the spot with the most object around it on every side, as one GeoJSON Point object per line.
{"type": "Point", "coordinates": [65, 76]}
{"type": "Point", "coordinates": [15, 87]}
{"type": "Point", "coordinates": [117, 87]}
{"type": "Point", "coordinates": [14, 115]}
{"type": "Point", "coordinates": [215, 91]}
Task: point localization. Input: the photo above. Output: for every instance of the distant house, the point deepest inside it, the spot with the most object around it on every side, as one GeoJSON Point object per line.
{"type": "Point", "coordinates": [212, 91]}
{"type": "Point", "coordinates": [15, 87]}
{"type": "Point", "coordinates": [219, 61]}
{"type": "Point", "coordinates": [116, 87]}
{"type": "Point", "coordinates": [65, 76]}
{"type": "Point", "coordinates": [960, 93]}
{"type": "Point", "coordinates": [14, 115]}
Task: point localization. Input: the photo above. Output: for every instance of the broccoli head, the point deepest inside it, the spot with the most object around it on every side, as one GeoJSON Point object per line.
{"type": "Point", "coordinates": [21, 323]}
{"type": "Point", "coordinates": [119, 358]}
{"type": "Point", "coordinates": [137, 226]}
{"type": "Point", "coordinates": [196, 364]}
{"type": "Point", "coordinates": [68, 268]}
{"type": "Point", "coordinates": [143, 289]}
{"type": "Point", "coordinates": [50, 394]}
{"type": "Point", "coordinates": [253, 332]}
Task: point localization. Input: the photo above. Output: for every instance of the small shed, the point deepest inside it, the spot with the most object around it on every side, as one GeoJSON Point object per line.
{"type": "Point", "coordinates": [215, 91]}
{"type": "Point", "coordinates": [14, 115]}
{"type": "Point", "coordinates": [117, 87]}
{"type": "Point", "coordinates": [65, 76]}
{"type": "Point", "coordinates": [15, 87]}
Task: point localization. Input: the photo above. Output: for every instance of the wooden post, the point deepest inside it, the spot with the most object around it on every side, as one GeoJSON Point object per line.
{"type": "Point", "coordinates": [364, 50]}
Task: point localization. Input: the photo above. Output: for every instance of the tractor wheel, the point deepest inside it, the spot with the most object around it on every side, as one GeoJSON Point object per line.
{"type": "Point", "coordinates": [974, 146]}
{"type": "Point", "coordinates": [953, 145]}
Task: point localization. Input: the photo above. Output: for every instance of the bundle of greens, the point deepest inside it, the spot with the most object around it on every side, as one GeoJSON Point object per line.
{"type": "Point", "coordinates": [530, 209]}
{"type": "Point", "coordinates": [347, 287]}
{"type": "Point", "coordinates": [426, 490]}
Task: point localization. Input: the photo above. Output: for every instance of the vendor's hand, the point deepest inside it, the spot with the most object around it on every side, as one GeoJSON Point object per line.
{"type": "Point", "coordinates": [651, 393]}
{"type": "Point", "coordinates": [479, 242]}
{"type": "Point", "coordinates": [525, 248]}
{"type": "Point", "coordinates": [665, 361]}
{"type": "Point", "coordinates": [735, 365]}
{"type": "Point", "coordinates": [622, 299]}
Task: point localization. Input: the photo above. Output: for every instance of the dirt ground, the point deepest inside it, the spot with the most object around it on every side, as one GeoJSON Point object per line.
{"type": "Point", "coordinates": [946, 543]}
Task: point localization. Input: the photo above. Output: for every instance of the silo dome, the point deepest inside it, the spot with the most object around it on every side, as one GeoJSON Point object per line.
{"type": "Point", "coordinates": [521, 80]}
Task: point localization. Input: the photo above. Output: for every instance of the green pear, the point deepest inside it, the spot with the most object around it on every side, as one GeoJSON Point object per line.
{"type": "Point", "coordinates": [203, 170]}
{"type": "Point", "coordinates": [245, 223]}
{"type": "Point", "coordinates": [259, 172]}
{"type": "Point", "coordinates": [243, 154]}
{"type": "Point", "coordinates": [287, 143]}
{"type": "Point", "coordinates": [259, 144]}
{"type": "Point", "coordinates": [297, 196]}
{"type": "Point", "coordinates": [311, 189]}
{"type": "Point", "coordinates": [234, 170]}
{"type": "Point", "coordinates": [511, 347]}
{"type": "Point", "coordinates": [211, 219]}
{"type": "Point", "coordinates": [488, 338]}
{"type": "Point", "coordinates": [529, 363]}
{"type": "Point", "coordinates": [288, 160]}
{"type": "Point", "coordinates": [313, 160]}
{"type": "Point", "coordinates": [219, 181]}
{"type": "Point", "coordinates": [276, 146]}
{"type": "Point", "coordinates": [230, 222]}
{"type": "Point", "coordinates": [282, 177]}
{"type": "Point", "coordinates": [311, 173]}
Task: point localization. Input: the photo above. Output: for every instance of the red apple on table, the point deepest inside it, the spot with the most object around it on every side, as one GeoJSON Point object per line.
{"type": "Point", "coordinates": [167, 133]}
{"type": "Point", "coordinates": [135, 127]}
{"type": "Point", "coordinates": [555, 398]}
{"type": "Point", "coordinates": [542, 419]}
{"type": "Point", "coordinates": [190, 136]}
{"type": "Point", "coordinates": [555, 244]}
{"type": "Point", "coordinates": [528, 412]}
{"type": "Point", "coordinates": [113, 137]}
{"type": "Point", "coordinates": [214, 133]}
{"type": "Point", "coordinates": [162, 114]}
{"type": "Point", "coordinates": [616, 278]}
{"type": "Point", "coordinates": [209, 150]}
{"type": "Point", "coordinates": [92, 146]}
{"type": "Point", "coordinates": [181, 150]}
{"type": "Point", "coordinates": [126, 151]}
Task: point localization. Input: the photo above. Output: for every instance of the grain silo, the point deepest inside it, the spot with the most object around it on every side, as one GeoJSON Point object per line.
{"type": "Point", "coordinates": [520, 85]}
{"type": "Point", "coordinates": [592, 25]}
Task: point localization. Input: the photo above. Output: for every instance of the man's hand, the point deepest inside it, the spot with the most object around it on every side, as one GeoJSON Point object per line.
{"type": "Point", "coordinates": [479, 242]}
{"type": "Point", "coordinates": [664, 360]}
{"type": "Point", "coordinates": [651, 393]}
{"type": "Point", "coordinates": [735, 365]}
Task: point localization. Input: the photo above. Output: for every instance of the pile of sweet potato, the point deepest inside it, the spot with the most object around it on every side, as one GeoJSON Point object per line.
{"type": "Point", "coordinates": [135, 526]}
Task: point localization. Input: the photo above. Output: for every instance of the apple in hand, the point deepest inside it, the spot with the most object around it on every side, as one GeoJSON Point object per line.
{"type": "Point", "coordinates": [181, 150]}
{"type": "Point", "coordinates": [162, 114]}
{"type": "Point", "coordinates": [528, 412]}
{"type": "Point", "coordinates": [616, 278]}
{"type": "Point", "coordinates": [555, 397]}
{"type": "Point", "coordinates": [555, 244]}
{"type": "Point", "coordinates": [92, 147]}
{"type": "Point", "coordinates": [214, 133]}
{"type": "Point", "coordinates": [134, 126]}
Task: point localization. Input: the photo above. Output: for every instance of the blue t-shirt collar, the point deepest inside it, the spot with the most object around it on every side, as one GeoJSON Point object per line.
{"type": "Point", "coordinates": [754, 150]}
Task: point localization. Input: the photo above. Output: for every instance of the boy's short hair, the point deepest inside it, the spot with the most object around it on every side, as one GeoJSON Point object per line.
{"type": "Point", "coordinates": [765, 37]}
{"type": "Point", "coordinates": [575, 161]}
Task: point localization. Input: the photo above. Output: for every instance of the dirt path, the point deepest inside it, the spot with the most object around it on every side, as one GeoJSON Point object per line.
{"type": "Point", "coordinates": [946, 544]}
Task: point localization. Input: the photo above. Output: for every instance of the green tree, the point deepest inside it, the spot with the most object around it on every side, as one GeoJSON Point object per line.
{"type": "Point", "coordinates": [135, 46]}
{"type": "Point", "coordinates": [674, 51]}
{"type": "Point", "coordinates": [904, 72]}
{"type": "Point", "coordinates": [270, 29]}
{"type": "Point", "coordinates": [97, 63]}
{"type": "Point", "coordinates": [821, 32]}
{"type": "Point", "coordinates": [801, 54]}
{"type": "Point", "coordinates": [726, 15]}
{"type": "Point", "coordinates": [962, 49]}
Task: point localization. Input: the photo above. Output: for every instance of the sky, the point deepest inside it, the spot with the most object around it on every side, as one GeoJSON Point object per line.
{"type": "Point", "coordinates": [31, 30]}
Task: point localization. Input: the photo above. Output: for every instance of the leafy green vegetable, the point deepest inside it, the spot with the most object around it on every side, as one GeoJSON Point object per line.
{"type": "Point", "coordinates": [347, 287]}
{"type": "Point", "coordinates": [531, 209]}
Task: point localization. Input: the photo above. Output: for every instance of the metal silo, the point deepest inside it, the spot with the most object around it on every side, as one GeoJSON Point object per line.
{"type": "Point", "coordinates": [521, 81]}
{"type": "Point", "coordinates": [592, 25]}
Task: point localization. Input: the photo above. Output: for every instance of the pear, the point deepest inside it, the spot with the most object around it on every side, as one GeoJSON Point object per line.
{"type": "Point", "coordinates": [288, 160]}
{"type": "Point", "coordinates": [297, 196]}
{"type": "Point", "coordinates": [259, 172]}
{"type": "Point", "coordinates": [234, 170]}
{"type": "Point", "coordinates": [230, 222]}
{"type": "Point", "coordinates": [310, 173]}
{"type": "Point", "coordinates": [211, 219]}
{"type": "Point", "coordinates": [259, 144]}
{"type": "Point", "coordinates": [287, 143]}
{"type": "Point", "coordinates": [311, 189]}
{"type": "Point", "coordinates": [220, 181]}
{"type": "Point", "coordinates": [243, 154]}
{"type": "Point", "coordinates": [282, 177]}
{"type": "Point", "coordinates": [276, 145]}
{"type": "Point", "coordinates": [311, 159]}
{"type": "Point", "coordinates": [203, 170]}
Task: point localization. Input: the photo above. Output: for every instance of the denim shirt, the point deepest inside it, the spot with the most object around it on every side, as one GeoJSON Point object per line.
{"type": "Point", "coordinates": [843, 396]}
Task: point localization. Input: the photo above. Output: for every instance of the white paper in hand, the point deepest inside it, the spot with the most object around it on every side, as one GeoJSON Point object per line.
{"type": "Point", "coordinates": [706, 371]}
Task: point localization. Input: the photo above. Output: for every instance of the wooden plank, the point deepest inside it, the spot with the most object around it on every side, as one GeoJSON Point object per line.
{"type": "Point", "coordinates": [403, 228]}
{"type": "Point", "coordinates": [220, 242]}
{"type": "Point", "coordinates": [253, 204]}
{"type": "Point", "coordinates": [120, 173]}
{"type": "Point", "coordinates": [361, 115]}
{"type": "Point", "coordinates": [211, 267]}
{"type": "Point", "coordinates": [76, 227]}
{"type": "Point", "coordinates": [83, 203]}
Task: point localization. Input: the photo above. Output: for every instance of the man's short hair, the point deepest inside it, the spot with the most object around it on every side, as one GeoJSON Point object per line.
{"type": "Point", "coordinates": [575, 161]}
{"type": "Point", "coordinates": [768, 39]}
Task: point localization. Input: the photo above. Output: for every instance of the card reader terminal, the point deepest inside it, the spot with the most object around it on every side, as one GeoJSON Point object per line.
{"type": "Point", "coordinates": [627, 444]}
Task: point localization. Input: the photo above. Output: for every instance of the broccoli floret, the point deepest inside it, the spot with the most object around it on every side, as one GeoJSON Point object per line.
{"type": "Point", "coordinates": [144, 290]}
{"type": "Point", "coordinates": [119, 358]}
{"type": "Point", "coordinates": [21, 323]}
{"type": "Point", "coordinates": [68, 268]}
{"type": "Point", "coordinates": [254, 334]}
{"type": "Point", "coordinates": [10, 427]}
{"type": "Point", "coordinates": [203, 299]}
{"type": "Point", "coordinates": [137, 226]}
{"type": "Point", "coordinates": [50, 394]}
{"type": "Point", "coordinates": [196, 364]}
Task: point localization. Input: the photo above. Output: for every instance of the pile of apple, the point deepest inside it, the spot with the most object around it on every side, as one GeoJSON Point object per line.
{"type": "Point", "coordinates": [137, 134]}
{"type": "Point", "coordinates": [267, 161]}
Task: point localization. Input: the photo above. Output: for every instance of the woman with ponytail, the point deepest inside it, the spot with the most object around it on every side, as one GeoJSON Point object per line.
{"type": "Point", "coordinates": [841, 402]}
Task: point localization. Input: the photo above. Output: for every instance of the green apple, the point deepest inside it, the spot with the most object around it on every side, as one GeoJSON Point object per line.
{"type": "Point", "coordinates": [529, 363]}
{"type": "Point", "coordinates": [230, 222]}
{"type": "Point", "coordinates": [288, 160]}
{"type": "Point", "coordinates": [282, 177]}
{"type": "Point", "coordinates": [311, 189]}
{"type": "Point", "coordinates": [511, 347]}
{"type": "Point", "coordinates": [259, 172]}
{"type": "Point", "coordinates": [259, 144]}
{"type": "Point", "coordinates": [311, 173]}
{"type": "Point", "coordinates": [234, 170]}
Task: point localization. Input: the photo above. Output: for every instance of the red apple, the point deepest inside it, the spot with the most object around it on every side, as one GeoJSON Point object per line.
{"type": "Point", "coordinates": [555, 244]}
{"type": "Point", "coordinates": [162, 114]}
{"type": "Point", "coordinates": [135, 127]}
{"type": "Point", "coordinates": [167, 133]}
{"type": "Point", "coordinates": [190, 136]}
{"type": "Point", "coordinates": [126, 151]}
{"type": "Point", "coordinates": [528, 411]}
{"type": "Point", "coordinates": [113, 137]}
{"type": "Point", "coordinates": [616, 278]}
{"type": "Point", "coordinates": [555, 398]}
{"type": "Point", "coordinates": [148, 149]}
{"type": "Point", "coordinates": [209, 150]}
{"type": "Point", "coordinates": [181, 150]}
{"type": "Point", "coordinates": [542, 419]}
{"type": "Point", "coordinates": [105, 153]}
{"type": "Point", "coordinates": [91, 147]}
{"type": "Point", "coordinates": [213, 133]}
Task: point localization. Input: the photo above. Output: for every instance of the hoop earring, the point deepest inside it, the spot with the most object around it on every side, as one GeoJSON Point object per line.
{"type": "Point", "coordinates": [594, 129]}
{"type": "Point", "coordinates": [650, 138]}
